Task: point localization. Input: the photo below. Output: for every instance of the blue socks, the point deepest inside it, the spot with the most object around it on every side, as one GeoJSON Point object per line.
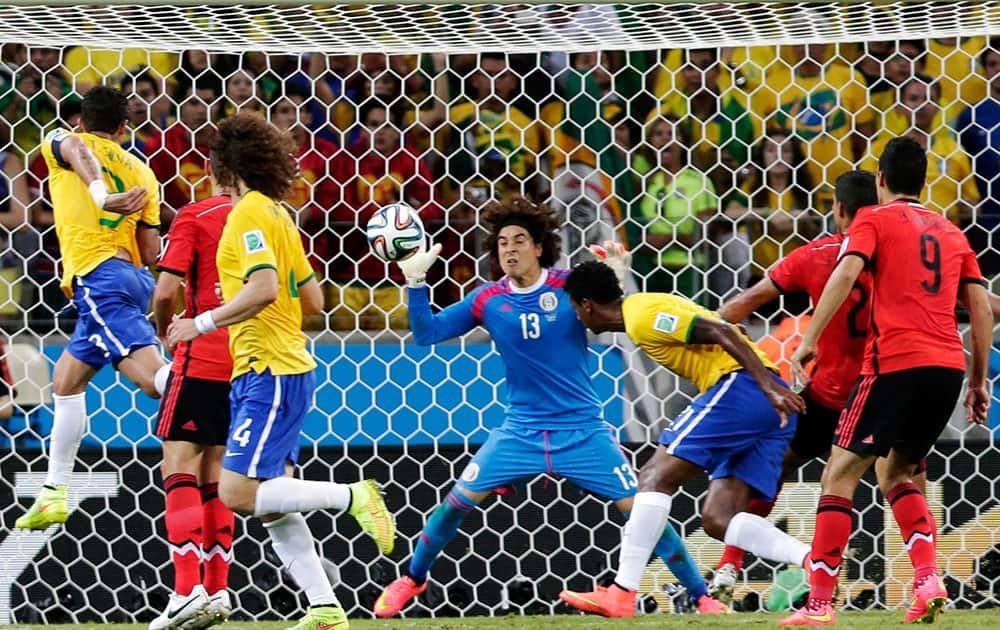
{"type": "Point", "coordinates": [670, 548]}
{"type": "Point", "coordinates": [438, 532]}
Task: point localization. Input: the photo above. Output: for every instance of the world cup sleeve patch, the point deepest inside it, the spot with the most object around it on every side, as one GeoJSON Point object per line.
{"type": "Point", "coordinates": [254, 241]}
{"type": "Point", "coordinates": [665, 322]}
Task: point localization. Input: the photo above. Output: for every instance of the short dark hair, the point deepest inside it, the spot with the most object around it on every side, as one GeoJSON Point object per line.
{"type": "Point", "coordinates": [594, 281]}
{"type": "Point", "coordinates": [992, 48]}
{"type": "Point", "coordinates": [856, 189]}
{"type": "Point", "coordinates": [904, 163]}
{"type": "Point", "coordinates": [103, 109]}
{"type": "Point", "coordinates": [538, 219]}
{"type": "Point", "coordinates": [130, 81]}
{"type": "Point", "coordinates": [932, 84]}
{"type": "Point", "coordinates": [248, 147]}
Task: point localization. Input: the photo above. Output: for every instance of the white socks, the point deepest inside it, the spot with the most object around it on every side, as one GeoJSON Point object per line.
{"type": "Point", "coordinates": [644, 527]}
{"type": "Point", "coordinates": [160, 378]}
{"type": "Point", "coordinates": [69, 423]}
{"type": "Point", "coordinates": [761, 538]}
{"type": "Point", "coordinates": [293, 542]}
{"type": "Point", "coordinates": [284, 495]}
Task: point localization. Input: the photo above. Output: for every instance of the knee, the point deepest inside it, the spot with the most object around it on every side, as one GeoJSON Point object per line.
{"type": "Point", "coordinates": [653, 479]}
{"type": "Point", "coordinates": [238, 497]}
{"type": "Point", "coordinates": [715, 519]}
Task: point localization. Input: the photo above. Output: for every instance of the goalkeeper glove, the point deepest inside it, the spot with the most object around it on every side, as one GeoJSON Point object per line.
{"type": "Point", "coordinates": [614, 255]}
{"type": "Point", "coordinates": [415, 266]}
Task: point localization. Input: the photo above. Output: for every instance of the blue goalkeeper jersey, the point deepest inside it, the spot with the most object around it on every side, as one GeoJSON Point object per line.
{"type": "Point", "coordinates": [542, 343]}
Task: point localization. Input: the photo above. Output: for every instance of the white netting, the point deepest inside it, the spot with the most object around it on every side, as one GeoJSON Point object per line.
{"type": "Point", "coordinates": [590, 134]}
{"type": "Point", "coordinates": [524, 27]}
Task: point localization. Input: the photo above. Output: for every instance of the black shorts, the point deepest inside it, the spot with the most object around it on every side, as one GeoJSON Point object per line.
{"type": "Point", "coordinates": [194, 410]}
{"type": "Point", "coordinates": [904, 411]}
{"type": "Point", "coordinates": [815, 429]}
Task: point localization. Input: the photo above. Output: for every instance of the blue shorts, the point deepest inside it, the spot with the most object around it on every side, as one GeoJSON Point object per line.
{"type": "Point", "coordinates": [590, 458]}
{"type": "Point", "coordinates": [267, 414]}
{"type": "Point", "coordinates": [111, 303]}
{"type": "Point", "coordinates": [733, 431]}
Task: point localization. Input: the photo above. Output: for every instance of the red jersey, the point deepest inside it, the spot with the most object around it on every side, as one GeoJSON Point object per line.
{"type": "Point", "coordinates": [379, 182]}
{"type": "Point", "coordinates": [918, 259]}
{"type": "Point", "coordinates": [841, 348]}
{"type": "Point", "coordinates": [180, 165]}
{"type": "Point", "coordinates": [190, 252]}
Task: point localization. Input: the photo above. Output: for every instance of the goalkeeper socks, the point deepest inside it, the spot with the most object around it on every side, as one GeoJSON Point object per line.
{"type": "Point", "coordinates": [734, 555]}
{"type": "Point", "coordinates": [69, 422]}
{"type": "Point", "coordinates": [761, 538]}
{"type": "Point", "coordinates": [643, 530]}
{"type": "Point", "coordinates": [217, 522]}
{"type": "Point", "coordinates": [670, 548]}
{"type": "Point", "coordinates": [183, 520]}
{"type": "Point", "coordinates": [284, 495]}
{"type": "Point", "coordinates": [438, 532]}
{"type": "Point", "coordinates": [293, 542]}
{"type": "Point", "coordinates": [917, 527]}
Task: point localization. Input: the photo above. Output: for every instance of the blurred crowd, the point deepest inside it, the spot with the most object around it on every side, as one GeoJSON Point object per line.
{"type": "Point", "coordinates": [711, 164]}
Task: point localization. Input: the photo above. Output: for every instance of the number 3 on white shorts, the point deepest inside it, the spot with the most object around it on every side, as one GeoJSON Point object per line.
{"type": "Point", "coordinates": [627, 476]}
{"type": "Point", "coordinates": [242, 433]}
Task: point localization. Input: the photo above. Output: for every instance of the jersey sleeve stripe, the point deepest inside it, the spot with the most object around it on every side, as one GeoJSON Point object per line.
{"type": "Point", "coordinates": [246, 275]}
{"type": "Point", "coordinates": [777, 285]}
{"type": "Point", "coordinates": [484, 296]}
{"type": "Point", "coordinates": [56, 143]}
{"type": "Point", "coordinates": [306, 279]}
{"type": "Point", "coordinates": [149, 225]}
{"type": "Point", "coordinates": [978, 281]}
{"type": "Point", "coordinates": [171, 271]}
{"type": "Point", "coordinates": [860, 255]}
{"type": "Point", "coordinates": [690, 330]}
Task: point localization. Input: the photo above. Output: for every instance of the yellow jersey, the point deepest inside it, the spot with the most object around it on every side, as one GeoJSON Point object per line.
{"type": "Point", "coordinates": [259, 234]}
{"type": "Point", "coordinates": [661, 324]}
{"type": "Point", "coordinates": [88, 235]}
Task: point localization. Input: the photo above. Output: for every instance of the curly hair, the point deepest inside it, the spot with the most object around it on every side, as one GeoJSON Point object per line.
{"type": "Point", "coordinates": [248, 147]}
{"type": "Point", "coordinates": [538, 219]}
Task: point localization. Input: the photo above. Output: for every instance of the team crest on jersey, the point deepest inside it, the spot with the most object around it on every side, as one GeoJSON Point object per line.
{"type": "Point", "coordinates": [548, 301]}
{"type": "Point", "coordinates": [470, 473]}
{"type": "Point", "coordinates": [254, 241]}
{"type": "Point", "coordinates": [665, 322]}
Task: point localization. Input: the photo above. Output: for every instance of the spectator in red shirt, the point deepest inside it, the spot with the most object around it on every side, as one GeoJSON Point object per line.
{"type": "Point", "coordinates": [384, 171]}
{"type": "Point", "coordinates": [322, 171]}
{"type": "Point", "coordinates": [179, 155]}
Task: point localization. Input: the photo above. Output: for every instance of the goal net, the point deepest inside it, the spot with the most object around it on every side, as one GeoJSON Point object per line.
{"type": "Point", "coordinates": [707, 136]}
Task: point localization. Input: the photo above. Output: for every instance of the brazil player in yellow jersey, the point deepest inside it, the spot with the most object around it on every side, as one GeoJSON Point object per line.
{"type": "Point", "coordinates": [737, 429]}
{"type": "Point", "coordinates": [267, 284]}
{"type": "Point", "coordinates": [107, 215]}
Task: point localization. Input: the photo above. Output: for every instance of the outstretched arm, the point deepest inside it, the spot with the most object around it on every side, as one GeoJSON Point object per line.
{"type": "Point", "coordinates": [738, 308]}
{"type": "Point", "coordinates": [429, 327]}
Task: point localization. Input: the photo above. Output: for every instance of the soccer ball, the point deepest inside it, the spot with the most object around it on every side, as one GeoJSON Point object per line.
{"type": "Point", "coordinates": [394, 232]}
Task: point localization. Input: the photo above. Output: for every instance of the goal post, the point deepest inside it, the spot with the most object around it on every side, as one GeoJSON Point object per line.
{"type": "Point", "coordinates": [445, 107]}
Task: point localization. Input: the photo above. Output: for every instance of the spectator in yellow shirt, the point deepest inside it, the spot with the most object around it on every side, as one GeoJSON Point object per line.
{"type": "Point", "coordinates": [93, 66]}
{"type": "Point", "coordinates": [951, 188]}
{"type": "Point", "coordinates": [825, 104]}
{"type": "Point", "coordinates": [954, 62]}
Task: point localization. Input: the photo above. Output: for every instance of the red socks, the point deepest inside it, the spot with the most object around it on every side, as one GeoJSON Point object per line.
{"type": "Point", "coordinates": [917, 526]}
{"type": "Point", "coordinates": [834, 518]}
{"type": "Point", "coordinates": [734, 555]}
{"type": "Point", "coordinates": [217, 524]}
{"type": "Point", "coordinates": [183, 520]}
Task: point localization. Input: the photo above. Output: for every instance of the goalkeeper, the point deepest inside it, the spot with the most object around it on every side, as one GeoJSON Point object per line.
{"type": "Point", "coordinates": [553, 422]}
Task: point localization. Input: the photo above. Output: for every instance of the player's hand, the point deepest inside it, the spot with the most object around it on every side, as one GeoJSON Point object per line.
{"type": "Point", "coordinates": [785, 401]}
{"type": "Point", "coordinates": [805, 353]}
{"type": "Point", "coordinates": [977, 404]}
{"type": "Point", "coordinates": [614, 255]}
{"type": "Point", "coordinates": [128, 202]}
{"type": "Point", "coordinates": [180, 330]}
{"type": "Point", "coordinates": [415, 266]}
